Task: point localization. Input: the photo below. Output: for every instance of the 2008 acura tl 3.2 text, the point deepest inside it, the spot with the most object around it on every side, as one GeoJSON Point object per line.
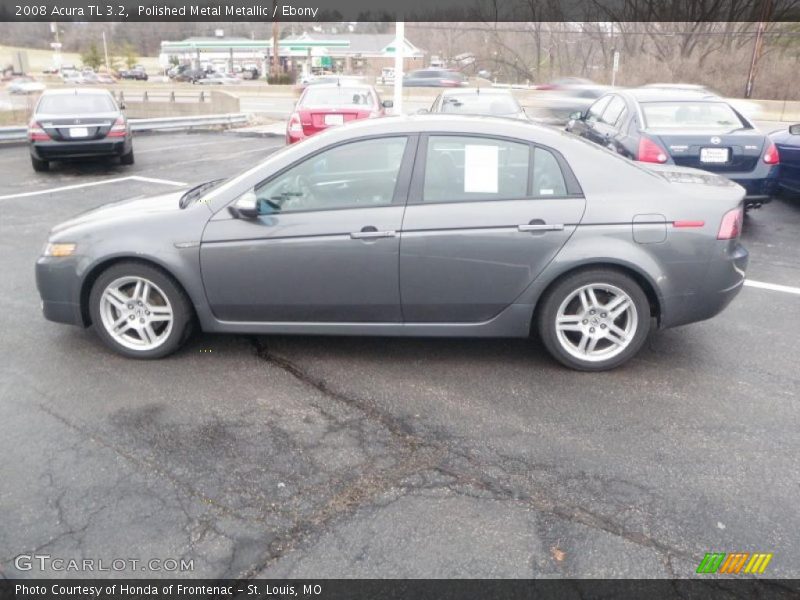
{"type": "Point", "coordinates": [431, 225]}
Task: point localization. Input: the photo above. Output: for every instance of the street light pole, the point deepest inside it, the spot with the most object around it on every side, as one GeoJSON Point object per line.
{"type": "Point", "coordinates": [399, 45]}
{"type": "Point", "coordinates": [105, 51]}
{"type": "Point", "coordinates": [766, 12]}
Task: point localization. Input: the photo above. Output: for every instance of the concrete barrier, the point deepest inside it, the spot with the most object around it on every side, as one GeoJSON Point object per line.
{"type": "Point", "coordinates": [149, 105]}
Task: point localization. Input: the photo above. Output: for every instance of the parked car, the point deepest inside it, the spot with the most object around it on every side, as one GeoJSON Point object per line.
{"type": "Point", "coordinates": [105, 79]}
{"type": "Point", "coordinates": [78, 123]}
{"type": "Point", "coordinates": [434, 78]}
{"type": "Point", "coordinates": [25, 85]}
{"type": "Point", "coordinates": [73, 77]}
{"type": "Point", "coordinates": [190, 75]}
{"type": "Point", "coordinates": [135, 74]}
{"type": "Point", "coordinates": [324, 105]}
{"type": "Point", "coordinates": [431, 225]}
{"type": "Point", "coordinates": [218, 79]}
{"type": "Point", "coordinates": [787, 141]}
{"type": "Point", "coordinates": [689, 129]}
{"type": "Point", "coordinates": [486, 101]}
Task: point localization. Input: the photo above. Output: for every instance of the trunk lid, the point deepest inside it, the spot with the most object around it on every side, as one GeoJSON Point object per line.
{"type": "Point", "coordinates": [315, 119]}
{"type": "Point", "coordinates": [716, 151]}
{"type": "Point", "coordinates": [63, 128]}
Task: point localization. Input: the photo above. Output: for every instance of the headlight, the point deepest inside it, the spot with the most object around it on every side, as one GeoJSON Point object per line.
{"type": "Point", "coordinates": [52, 249]}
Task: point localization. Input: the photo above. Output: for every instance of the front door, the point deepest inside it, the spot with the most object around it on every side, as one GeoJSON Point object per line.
{"type": "Point", "coordinates": [324, 247]}
{"type": "Point", "coordinates": [485, 216]}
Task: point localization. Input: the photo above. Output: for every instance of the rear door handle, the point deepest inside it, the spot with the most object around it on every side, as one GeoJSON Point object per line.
{"type": "Point", "coordinates": [370, 233]}
{"type": "Point", "coordinates": [541, 227]}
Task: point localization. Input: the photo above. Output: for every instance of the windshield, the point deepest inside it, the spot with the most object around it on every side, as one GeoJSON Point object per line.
{"type": "Point", "coordinates": [64, 104]}
{"type": "Point", "coordinates": [338, 96]}
{"type": "Point", "coordinates": [689, 115]}
{"type": "Point", "coordinates": [480, 105]}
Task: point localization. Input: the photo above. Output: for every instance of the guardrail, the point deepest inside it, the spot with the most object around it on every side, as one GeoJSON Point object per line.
{"type": "Point", "coordinates": [14, 134]}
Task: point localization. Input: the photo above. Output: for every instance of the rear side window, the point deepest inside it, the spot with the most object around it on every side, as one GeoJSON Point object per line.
{"type": "Point", "coordinates": [461, 168]}
{"type": "Point", "coordinates": [548, 180]}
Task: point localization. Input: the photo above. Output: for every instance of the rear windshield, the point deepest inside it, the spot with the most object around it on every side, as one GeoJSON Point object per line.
{"type": "Point", "coordinates": [338, 96]}
{"type": "Point", "coordinates": [76, 104]}
{"type": "Point", "coordinates": [689, 115]}
{"type": "Point", "coordinates": [480, 105]}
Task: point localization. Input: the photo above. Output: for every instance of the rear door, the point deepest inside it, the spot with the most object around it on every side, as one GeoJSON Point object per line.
{"type": "Point", "coordinates": [485, 216]}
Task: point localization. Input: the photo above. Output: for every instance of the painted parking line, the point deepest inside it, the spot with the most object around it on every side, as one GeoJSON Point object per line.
{"type": "Point", "coordinates": [79, 186]}
{"type": "Point", "coordinates": [788, 289]}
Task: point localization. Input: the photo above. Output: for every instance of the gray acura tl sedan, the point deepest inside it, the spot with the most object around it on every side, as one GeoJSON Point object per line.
{"type": "Point", "coordinates": [430, 225]}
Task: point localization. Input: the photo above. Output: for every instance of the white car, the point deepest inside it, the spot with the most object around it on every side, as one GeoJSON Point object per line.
{"type": "Point", "coordinates": [25, 85]}
{"type": "Point", "coordinates": [218, 79]}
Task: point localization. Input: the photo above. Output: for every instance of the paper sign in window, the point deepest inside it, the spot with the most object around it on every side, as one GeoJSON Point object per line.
{"type": "Point", "coordinates": [481, 165]}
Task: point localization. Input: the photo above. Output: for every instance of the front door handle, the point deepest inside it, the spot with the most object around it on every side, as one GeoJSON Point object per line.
{"type": "Point", "coordinates": [371, 233]}
{"type": "Point", "coordinates": [539, 225]}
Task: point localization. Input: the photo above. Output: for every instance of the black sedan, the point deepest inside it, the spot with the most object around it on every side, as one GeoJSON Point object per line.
{"type": "Point", "coordinates": [77, 123]}
{"type": "Point", "coordinates": [787, 141]}
{"type": "Point", "coordinates": [689, 129]}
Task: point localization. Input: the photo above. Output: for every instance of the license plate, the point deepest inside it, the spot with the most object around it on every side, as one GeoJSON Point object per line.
{"type": "Point", "coordinates": [334, 119]}
{"type": "Point", "coordinates": [714, 155]}
{"type": "Point", "coordinates": [78, 132]}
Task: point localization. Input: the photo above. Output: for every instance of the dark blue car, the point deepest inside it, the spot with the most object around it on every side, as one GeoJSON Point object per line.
{"type": "Point", "coordinates": [686, 128]}
{"type": "Point", "coordinates": [787, 141]}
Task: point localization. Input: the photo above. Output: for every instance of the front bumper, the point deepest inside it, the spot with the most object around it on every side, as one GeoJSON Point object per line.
{"type": "Point", "coordinates": [53, 150]}
{"type": "Point", "coordinates": [59, 288]}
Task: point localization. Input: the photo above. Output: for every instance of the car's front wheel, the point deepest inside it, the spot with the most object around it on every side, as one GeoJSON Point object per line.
{"type": "Point", "coordinates": [139, 311]}
{"type": "Point", "coordinates": [594, 320]}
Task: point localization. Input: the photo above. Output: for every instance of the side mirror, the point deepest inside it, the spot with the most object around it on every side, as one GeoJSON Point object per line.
{"type": "Point", "coordinates": [246, 206]}
{"type": "Point", "coordinates": [576, 116]}
{"type": "Point", "coordinates": [794, 129]}
{"type": "Point", "coordinates": [388, 103]}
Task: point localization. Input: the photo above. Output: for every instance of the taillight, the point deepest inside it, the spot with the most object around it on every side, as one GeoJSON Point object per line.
{"type": "Point", "coordinates": [731, 225]}
{"type": "Point", "coordinates": [649, 151]}
{"type": "Point", "coordinates": [771, 156]}
{"type": "Point", "coordinates": [36, 133]}
{"type": "Point", "coordinates": [295, 126]}
{"type": "Point", "coordinates": [118, 129]}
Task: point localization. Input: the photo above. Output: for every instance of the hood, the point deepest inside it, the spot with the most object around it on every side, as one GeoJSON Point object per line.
{"type": "Point", "coordinates": [137, 209]}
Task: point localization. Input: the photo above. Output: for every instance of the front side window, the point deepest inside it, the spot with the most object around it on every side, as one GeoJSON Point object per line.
{"type": "Point", "coordinates": [359, 174]}
{"type": "Point", "coordinates": [596, 109]}
{"type": "Point", "coordinates": [614, 110]}
{"type": "Point", "coordinates": [460, 168]}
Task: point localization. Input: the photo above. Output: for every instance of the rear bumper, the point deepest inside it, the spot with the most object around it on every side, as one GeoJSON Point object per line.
{"type": "Point", "coordinates": [723, 280]}
{"type": "Point", "coordinates": [760, 185]}
{"type": "Point", "coordinates": [78, 149]}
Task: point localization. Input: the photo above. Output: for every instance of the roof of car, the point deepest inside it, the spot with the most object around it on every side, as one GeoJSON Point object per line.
{"type": "Point", "coordinates": [668, 95]}
{"type": "Point", "coordinates": [477, 92]}
{"type": "Point", "coordinates": [77, 92]}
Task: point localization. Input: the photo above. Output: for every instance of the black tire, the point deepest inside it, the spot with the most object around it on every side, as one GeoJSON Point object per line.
{"type": "Point", "coordinates": [126, 159]}
{"type": "Point", "coordinates": [182, 310]}
{"type": "Point", "coordinates": [550, 303]}
{"type": "Point", "coordinates": [40, 165]}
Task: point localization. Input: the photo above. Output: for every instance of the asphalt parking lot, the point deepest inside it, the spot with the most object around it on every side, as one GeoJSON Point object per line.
{"type": "Point", "coordinates": [343, 457]}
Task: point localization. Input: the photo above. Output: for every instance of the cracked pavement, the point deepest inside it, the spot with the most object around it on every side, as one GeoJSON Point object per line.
{"type": "Point", "coordinates": [308, 457]}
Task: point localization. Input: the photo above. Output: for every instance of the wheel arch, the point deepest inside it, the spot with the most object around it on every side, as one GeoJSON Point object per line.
{"type": "Point", "coordinates": [99, 268]}
{"type": "Point", "coordinates": [639, 276]}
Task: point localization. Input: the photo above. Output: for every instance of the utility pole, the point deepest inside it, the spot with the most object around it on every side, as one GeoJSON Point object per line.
{"type": "Point", "coordinates": [105, 52]}
{"type": "Point", "coordinates": [399, 46]}
{"type": "Point", "coordinates": [276, 59]}
{"type": "Point", "coordinates": [766, 13]}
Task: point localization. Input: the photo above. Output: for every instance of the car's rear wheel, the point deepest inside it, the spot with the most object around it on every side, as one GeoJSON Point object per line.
{"type": "Point", "coordinates": [40, 165]}
{"type": "Point", "coordinates": [594, 320]}
{"type": "Point", "coordinates": [139, 311]}
{"type": "Point", "coordinates": [127, 159]}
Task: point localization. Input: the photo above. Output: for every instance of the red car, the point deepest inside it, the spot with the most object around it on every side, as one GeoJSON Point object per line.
{"type": "Point", "coordinates": [325, 105]}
